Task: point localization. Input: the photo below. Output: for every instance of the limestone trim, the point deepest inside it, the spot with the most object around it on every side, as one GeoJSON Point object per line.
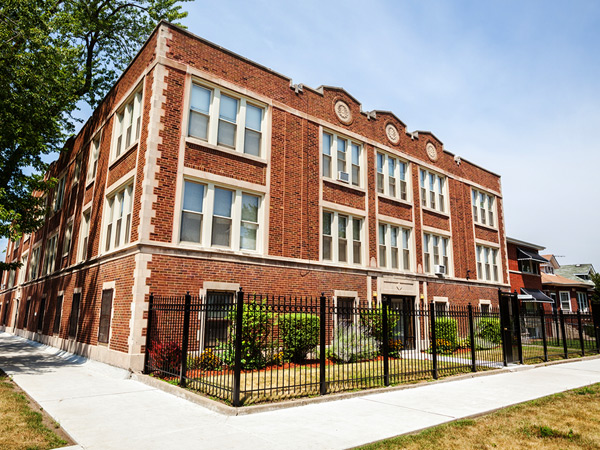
{"type": "Point", "coordinates": [343, 209]}
{"type": "Point", "coordinates": [139, 307]}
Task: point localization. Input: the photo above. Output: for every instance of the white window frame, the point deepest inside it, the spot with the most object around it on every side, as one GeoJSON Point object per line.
{"type": "Point", "coordinates": [585, 301]}
{"type": "Point", "coordinates": [436, 198]}
{"type": "Point", "coordinates": [384, 244]}
{"type": "Point", "coordinates": [77, 168]}
{"type": "Point", "coordinates": [59, 194]}
{"type": "Point", "coordinates": [84, 234]}
{"type": "Point", "coordinates": [429, 252]}
{"type": "Point", "coordinates": [383, 176]}
{"type": "Point", "coordinates": [560, 296]}
{"type": "Point", "coordinates": [335, 238]}
{"type": "Point", "coordinates": [346, 295]}
{"type": "Point", "coordinates": [441, 301]}
{"type": "Point", "coordinates": [236, 217]}
{"type": "Point", "coordinates": [67, 238]}
{"type": "Point", "coordinates": [92, 167]}
{"type": "Point", "coordinates": [487, 303]}
{"type": "Point", "coordinates": [127, 125]}
{"type": "Point", "coordinates": [483, 206]}
{"type": "Point", "coordinates": [351, 168]}
{"type": "Point", "coordinates": [34, 266]}
{"type": "Point", "coordinates": [214, 117]}
{"type": "Point", "coordinates": [124, 196]}
{"type": "Point", "coordinates": [23, 268]}
{"type": "Point", "coordinates": [51, 248]}
{"type": "Point", "coordinates": [492, 265]}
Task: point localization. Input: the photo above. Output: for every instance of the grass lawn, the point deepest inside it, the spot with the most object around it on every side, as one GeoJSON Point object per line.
{"type": "Point", "coordinates": [570, 420]}
{"type": "Point", "coordinates": [22, 425]}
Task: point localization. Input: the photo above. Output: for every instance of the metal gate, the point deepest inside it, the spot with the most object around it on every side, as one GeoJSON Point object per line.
{"type": "Point", "coordinates": [511, 327]}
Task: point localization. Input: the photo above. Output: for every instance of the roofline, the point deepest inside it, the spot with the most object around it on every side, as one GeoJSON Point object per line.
{"type": "Point", "coordinates": [524, 243]}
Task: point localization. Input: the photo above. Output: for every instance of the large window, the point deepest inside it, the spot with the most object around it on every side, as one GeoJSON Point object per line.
{"type": "Point", "coordinates": [394, 247]}
{"type": "Point", "coordinates": [483, 208]}
{"type": "Point", "coordinates": [436, 254]}
{"type": "Point", "coordinates": [582, 302]}
{"type": "Point", "coordinates": [34, 265]}
{"type": "Point", "coordinates": [93, 160]}
{"type": "Point", "coordinates": [215, 216]}
{"type": "Point", "coordinates": [128, 124]}
{"type": "Point", "coordinates": [565, 301]}
{"type": "Point", "coordinates": [105, 313]}
{"type": "Point", "coordinates": [23, 268]}
{"type": "Point", "coordinates": [433, 190]}
{"type": "Point", "coordinates": [59, 194]}
{"type": "Point", "coordinates": [341, 159]}
{"type": "Point", "coordinates": [529, 266]}
{"type": "Point", "coordinates": [50, 255]}
{"type": "Point", "coordinates": [487, 263]}
{"type": "Point", "coordinates": [342, 238]}
{"type": "Point", "coordinates": [118, 226]}
{"type": "Point", "coordinates": [227, 120]}
{"type": "Point", "coordinates": [57, 315]}
{"type": "Point", "coordinates": [392, 176]}
{"type": "Point", "coordinates": [67, 240]}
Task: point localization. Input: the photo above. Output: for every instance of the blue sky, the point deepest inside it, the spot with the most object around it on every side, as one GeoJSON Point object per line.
{"type": "Point", "coordinates": [512, 86]}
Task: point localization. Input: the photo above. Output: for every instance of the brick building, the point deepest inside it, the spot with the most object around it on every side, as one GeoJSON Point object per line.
{"type": "Point", "coordinates": [203, 171]}
{"type": "Point", "coordinates": [569, 286]}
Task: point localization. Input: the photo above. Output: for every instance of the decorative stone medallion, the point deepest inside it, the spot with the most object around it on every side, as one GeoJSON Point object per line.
{"type": "Point", "coordinates": [392, 133]}
{"type": "Point", "coordinates": [342, 110]}
{"type": "Point", "coordinates": [431, 151]}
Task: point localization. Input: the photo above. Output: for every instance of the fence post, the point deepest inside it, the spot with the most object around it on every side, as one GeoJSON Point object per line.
{"type": "Point", "coordinates": [472, 339]}
{"type": "Point", "coordinates": [237, 358]}
{"type": "Point", "coordinates": [502, 307]}
{"type": "Point", "coordinates": [564, 334]}
{"type": "Point", "coordinates": [184, 339]}
{"type": "Point", "coordinates": [385, 343]}
{"type": "Point", "coordinates": [322, 342]}
{"type": "Point", "coordinates": [580, 332]}
{"type": "Point", "coordinates": [544, 337]}
{"type": "Point", "coordinates": [517, 306]}
{"type": "Point", "coordinates": [596, 318]}
{"type": "Point", "coordinates": [434, 368]}
{"type": "Point", "coordinates": [148, 332]}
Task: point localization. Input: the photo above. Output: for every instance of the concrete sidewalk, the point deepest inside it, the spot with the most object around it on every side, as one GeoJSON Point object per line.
{"type": "Point", "coordinates": [102, 408]}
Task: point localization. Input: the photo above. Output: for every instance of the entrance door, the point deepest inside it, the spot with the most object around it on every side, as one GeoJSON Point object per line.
{"type": "Point", "coordinates": [511, 327]}
{"type": "Point", "coordinates": [402, 320]}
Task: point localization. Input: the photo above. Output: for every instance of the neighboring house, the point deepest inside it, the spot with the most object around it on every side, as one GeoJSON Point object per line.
{"type": "Point", "coordinates": [205, 172]}
{"type": "Point", "coordinates": [569, 285]}
{"type": "Point", "coordinates": [524, 263]}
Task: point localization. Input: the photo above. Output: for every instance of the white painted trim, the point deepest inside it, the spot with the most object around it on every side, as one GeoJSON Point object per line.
{"type": "Point", "coordinates": [343, 209]}
{"type": "Point", "coordinates": [495, 245]}
{"type": "Point", "coordinates": [438, 231]}
{"type": "Point", "coordinates": [395, 221]}
{"type": "Point", "coordinates": [121, 182]}
{"type": "Point", "coordinates": [201, 176]}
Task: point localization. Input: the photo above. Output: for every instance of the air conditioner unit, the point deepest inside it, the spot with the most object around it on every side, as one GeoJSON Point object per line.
{"type": "Point", "coordinates": [344, 176]}
{"type": "Point", "coordinates": [439, 270]}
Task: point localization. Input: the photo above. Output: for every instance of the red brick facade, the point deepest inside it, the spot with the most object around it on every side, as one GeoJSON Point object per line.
{"type": "Point", "coordinates": [287, 178]}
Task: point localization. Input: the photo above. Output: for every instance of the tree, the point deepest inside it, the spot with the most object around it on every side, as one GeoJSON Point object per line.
{"type": "Point", "coordinates": [596, 292]}
{"type": "Point", "coordinates": [54, 54]}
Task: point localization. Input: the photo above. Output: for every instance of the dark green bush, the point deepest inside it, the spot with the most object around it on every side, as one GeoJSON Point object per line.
{"type": "Point", "coordinates": [371, 321]}
{"type": "Point", "coordinates": [299, 334]}
{"type": "Point", "coordinates": [488, 329]}
{"type": "Point", "coordinates": [446, 329]}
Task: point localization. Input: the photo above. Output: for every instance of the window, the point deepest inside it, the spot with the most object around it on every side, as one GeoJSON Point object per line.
{"type": "Point", "coordinates": [34, 265]}
{"type": "Point", "coordinates": [105, 312]}
{"type": "Point", "coordinates": [217, 322]}
{"type": "Point", "coordinates": [546, 268]}
{"type": "Point", "coordinates": [128, 124]}
{"type": "Point", "coordinates": [218, 118]}
{"type": "Point", "coordinates": [394, 247]}
{"type": "Point", "coordinates": [50, 255]}
{"type": "Point", "coordinates": [67, 239]}
{"type": "Point", "coordinates": [74, 317]}
{"type": "Point", "coordinates": [435, 253]}
{"type": "Point", "coordinates": [220, 217]}
{"type": "Point", "coordinates": [529, 266]}
{"type": "Point", "coordinates": [433, 190]}
{"type": "Point", "coordinates": [341, 159]}
{"type": "Point", "coordinates": [59, 194]}
{"type": "Point", "coordinates": [11, 278]}
{"type": "Point", "coordinates": [485, 308]}
{"type": "Point", "coordinates": [26, 315]}
{"type": "Point", "coordinates": [342, 238]}
{"type": "Point", "coordinates": [483, 208]}
{"type": "Point", "coordinates": [345, 311]}
{"type": "Point", "coordinates": [57, 315]}
{"type": "Point", "coordinates": [41, 314]}
{"type": "Point", "coordinates": [84, 234]}
{"type": "Point", "coordinates": [582, 302]}
{"type": "Point", "coordinates": [119, 218]}
{"type": "Point", "coordinates": [487, 263]}
{"type": "Point", "coordinates": [77, 169]}
{"type": "Point", "coordinates": [565, 301]}
{"type": "Point", "coordinates": [554, 304]}
{"type": "Point", "coordinates": [93, 162]}
{"type": "Point", "coordinates": [441, 305]}
{"type": "Point", "coordinates": [23, 268]}
{"type": "Point", "coordinates": [392, 176]}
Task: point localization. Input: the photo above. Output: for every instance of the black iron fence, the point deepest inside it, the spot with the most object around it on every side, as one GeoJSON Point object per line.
{"type": "Point", "coordinates": [251, 348]}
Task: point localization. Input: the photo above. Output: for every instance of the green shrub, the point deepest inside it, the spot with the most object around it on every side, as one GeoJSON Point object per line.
{"type": "Point", "coordinates": [371, 321]}
{"type": "Point", "coordinates": [395, 346]}
{"type": "Point", "coordinates": [299, 334]}
{"type": "Point", "coordinates": [443, 347]}
{"type": "Point", "coordinates": [488, 329]}
{"type": "Point", "coordinates": [446, 329]}
{"type": "Point", "coordinates": [207, 360]}
{"type": "Point", "coordinates": [352, 344]}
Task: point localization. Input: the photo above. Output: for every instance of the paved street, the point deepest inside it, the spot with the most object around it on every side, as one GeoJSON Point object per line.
{"type": "Point", "coordinates": [102, 408]}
